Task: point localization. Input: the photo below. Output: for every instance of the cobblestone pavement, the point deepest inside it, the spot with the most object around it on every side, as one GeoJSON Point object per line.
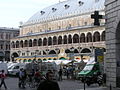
{"type": "Point", "coordinates": [12, 84]}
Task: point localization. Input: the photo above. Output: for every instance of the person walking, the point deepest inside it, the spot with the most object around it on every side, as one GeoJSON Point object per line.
{"type": "Point", "coordinates": [3, 76]}
{"type": "Point", "coordinates": [21, 78]}
{"type": "Point", "coordinates": [60, 74]}
{"type": "Point", "coordinates": [48, 83]}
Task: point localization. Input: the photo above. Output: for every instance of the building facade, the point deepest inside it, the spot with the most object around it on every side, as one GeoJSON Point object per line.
{"type": "Point", "coordinates": [5, 35]}
{"type": "Point", "coordinates": [113, 42]}
{"type": "Point", "coordinates": [56, 31]}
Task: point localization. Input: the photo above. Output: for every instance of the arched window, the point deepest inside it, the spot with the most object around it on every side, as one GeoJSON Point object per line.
{"type": "Point", "coordinates": [96, 37]}
{"type": "Point", "coordinates": [21, 43]}
{"type": "Point", "coordinates": [54, 40]}
{"type": "Point", "coordinates": [25, 43]}
{"type": "Point", "coordinates": [103, 36]}
{"type": "Point", "coordinates": [7, 35]}
{"type": "Point", "coordinates": [69, 39]}
{"type": "Point", "coordinates": [17, 44]}
{"type": "Point", "coordinates": [35, 42]}
{"type": "Point", "coordinates": [89, 37]}
{"type": "Point", "coordinates": [45, 42]}
{"type": "Point", "coordinates": [65, 39]}
{"type": "Point", "coordinates": [30, 43]}
{"type": "Point", "coordinates": [82, 38]}
{"type": "Point", "coordinates": [13, 45]}
{"type": "Point", "coordinates": [49, 41]}
{"type": "Point", "coordinates": [60, 40]}
{"type": "Point", "coordinates": [40, 42]}
{"type": "Point", "coordinates": [76, 38]}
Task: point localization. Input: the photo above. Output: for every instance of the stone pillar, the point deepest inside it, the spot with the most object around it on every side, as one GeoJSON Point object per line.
{"type": "Point", "coordinates": [112, 10]}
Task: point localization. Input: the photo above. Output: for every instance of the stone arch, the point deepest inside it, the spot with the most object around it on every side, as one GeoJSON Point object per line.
{"type": "Point", "coordinates": [39, 42]}
{"type": "Point", "coordinates": [45, 42]}
{"type": "Point", "coordinates": [49, 41]}
{"type": "Point", "coordinates": [14, 55]}
{"type": "Point", "coordinates": [89, 37]}
{"type": "Point", "coordinates": [103, 36]}
{"type": "Point", "coordinates": [52, 52]}
{"type": "Point", "coordinates": [69, 39]}
{"type": "Point", "coordinates": [65, 39]}
{"type": "Point", "coordinates": [67, 51]}
{"type": "Point", "coordinates": [17, 44]}
{"type": "Point", "coordinates": [44, 53]}
{"type": "Point", "coordinates": [2, 55]}
{"type": "Point", "coordinates": [54, 40]}
{"type": "Point", "coordinates": [21, 43]}
{"type": "Point", "coordinates": [60, 40]}
{"type": "Point", "coordinates": [82, 38]}
{"type": "Point", "coordinates": [26, 43]}
{"type": "Point", "coordinates": [117, 53]}
{"type": "Point", "coordinates": [85, 50]}
{"type": "Point", "coordinates": [30, 43]}
{"type": "Point", "coordinates": [13, 44]}
{"type": "Point", "coordinates": [96, 37]}
{"type": "Point", "coordinates": [76, 51]}
{"type": "Point", "coordinates": [35, 42]}
{"type": "Point", "coordinates": [76, 38]}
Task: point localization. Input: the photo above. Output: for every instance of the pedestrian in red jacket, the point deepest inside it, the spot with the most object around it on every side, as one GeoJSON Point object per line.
{"type": "Point", "coordinates": [3, 76]}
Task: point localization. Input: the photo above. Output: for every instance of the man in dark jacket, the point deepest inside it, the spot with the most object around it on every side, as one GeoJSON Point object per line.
{"type": "Point", "coordinates": [48, 84]}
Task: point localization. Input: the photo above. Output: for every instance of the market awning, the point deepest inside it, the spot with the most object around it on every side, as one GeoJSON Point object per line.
{"type": "Point", "coordinates": [24, 60]}
{"type": "Point", "coordinates": [62, 58]}
{"type": "Point", "coordinates": [29, 60]}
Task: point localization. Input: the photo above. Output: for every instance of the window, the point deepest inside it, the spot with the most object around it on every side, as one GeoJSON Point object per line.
{"type": "Point", "coordinates": [42, 12]}
{"type": "Point", "coordinates": [96, 1]}
{"type": "Point", "coordinates": [85, 23]}
{"type": "Point", "coordinates": [80, 3]}
{"type": "Point", "coordinates": [66, 6]}
{"type": "Point", "coordinates": [16, 67]}
{"type": "Point", "coordinates": [1, 46]}
{"type": "Point", "coordinates": [54, 9]}
{"type": "Point", "coordinates": [7, 47]}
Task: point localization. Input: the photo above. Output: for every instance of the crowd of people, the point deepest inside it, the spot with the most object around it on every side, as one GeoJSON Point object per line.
{"type": "Point", "coordinates": [44, 81]}
{"type": "Point", "coordinates": [39, 77]}
{"type": "Point", "coordinates": [48, 80]}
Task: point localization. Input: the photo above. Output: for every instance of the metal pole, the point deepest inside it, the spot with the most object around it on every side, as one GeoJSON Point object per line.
{"type": "Point", "coordinates": [110, 87]}
{"type": "Point", "coordinates": [84, 82]}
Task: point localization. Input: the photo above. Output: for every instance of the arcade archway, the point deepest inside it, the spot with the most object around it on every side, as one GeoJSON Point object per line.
{"type": "Point", "coordinates": [118, 55]}
{"type": "Point", "coordinates": [13, 56]}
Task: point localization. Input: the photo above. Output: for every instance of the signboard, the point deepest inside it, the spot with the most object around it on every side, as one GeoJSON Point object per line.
{"type": "Point", "coordinates": [99, 55]}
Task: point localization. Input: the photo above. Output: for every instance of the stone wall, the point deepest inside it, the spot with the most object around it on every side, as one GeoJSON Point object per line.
{"type": "Point", "coordinates": [112, 11]}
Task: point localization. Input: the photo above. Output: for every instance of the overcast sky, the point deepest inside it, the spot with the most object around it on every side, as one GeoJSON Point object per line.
{"type": "Point", "coordinates": [14, 11]}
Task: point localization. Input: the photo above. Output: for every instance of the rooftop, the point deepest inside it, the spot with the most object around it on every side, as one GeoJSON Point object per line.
{"type": "Point", "coordinates": [66, 9]}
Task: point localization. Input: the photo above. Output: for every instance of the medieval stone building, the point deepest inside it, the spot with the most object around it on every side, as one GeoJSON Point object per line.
{"type": "Point", "coordinates": [53, 32]}
{"type": "Point", "coordinates": [5, 35]}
